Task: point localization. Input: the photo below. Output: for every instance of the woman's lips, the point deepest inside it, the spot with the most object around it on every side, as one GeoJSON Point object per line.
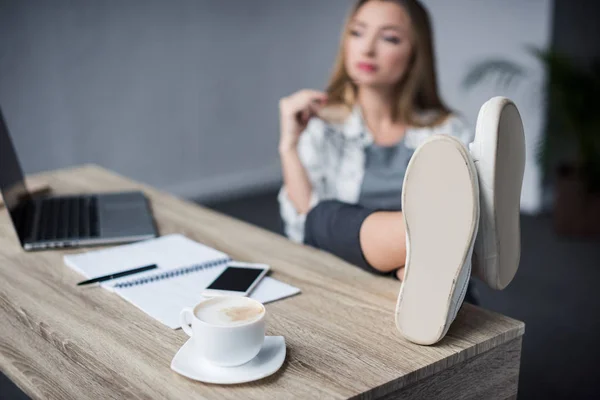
{"type": "Point", "coordinates": [367, 67]}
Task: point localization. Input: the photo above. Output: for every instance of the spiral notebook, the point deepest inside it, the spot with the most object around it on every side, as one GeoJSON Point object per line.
{"type": "Point", "coordinates": [186, 268]}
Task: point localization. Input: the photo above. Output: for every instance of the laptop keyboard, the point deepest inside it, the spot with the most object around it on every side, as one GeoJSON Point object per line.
{"type": "Point", "coordinates": [68, 218]}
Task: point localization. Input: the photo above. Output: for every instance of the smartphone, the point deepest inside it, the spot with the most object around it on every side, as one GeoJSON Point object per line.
{"type": "Point", "coordinates": [238, 279]}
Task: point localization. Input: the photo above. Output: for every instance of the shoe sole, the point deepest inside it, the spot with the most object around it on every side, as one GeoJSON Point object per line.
{"type": "Point", "coordinates": [499, 154]}
{"type": "Point", "coordinates": [441, 215]}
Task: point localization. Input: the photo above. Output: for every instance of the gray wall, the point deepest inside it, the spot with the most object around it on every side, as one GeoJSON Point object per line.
{"type": "Point", "coordinates": [179, 94]}
{"type": "Point", "coordinates": [183, 94]}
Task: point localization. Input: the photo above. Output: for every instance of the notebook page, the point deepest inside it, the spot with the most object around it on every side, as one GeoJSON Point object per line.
{"type": "Point", "coordinates": [164, 300]}
{"type": "Point", "coordinates": [167, 252]}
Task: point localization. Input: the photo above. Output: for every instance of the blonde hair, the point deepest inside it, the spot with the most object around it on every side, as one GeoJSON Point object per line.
{"type": "Point", "coordinates": [416, 94]}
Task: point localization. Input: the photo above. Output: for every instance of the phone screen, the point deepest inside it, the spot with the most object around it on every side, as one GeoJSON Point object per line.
{"type": "Point", "coordinates": [236, 279]}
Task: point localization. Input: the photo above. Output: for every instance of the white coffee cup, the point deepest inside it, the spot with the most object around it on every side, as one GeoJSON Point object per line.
{"type": "Point", "coordinates": [221, 333]}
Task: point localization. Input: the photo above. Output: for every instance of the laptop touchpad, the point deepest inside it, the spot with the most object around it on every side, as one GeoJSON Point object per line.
{"type": "Point", "coordinates": [124, 214]}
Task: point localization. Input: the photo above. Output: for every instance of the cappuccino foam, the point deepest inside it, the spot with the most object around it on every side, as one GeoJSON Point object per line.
{"type": "Point", "coordinates": [229, 311]}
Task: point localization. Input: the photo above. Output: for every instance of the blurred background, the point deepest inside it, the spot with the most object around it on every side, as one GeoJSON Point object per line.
{"type": "Point", "coordinates": [183, 95]}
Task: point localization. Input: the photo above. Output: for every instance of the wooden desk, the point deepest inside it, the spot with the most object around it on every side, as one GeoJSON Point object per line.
{"type": "Point", "coordinates": [62, 342]}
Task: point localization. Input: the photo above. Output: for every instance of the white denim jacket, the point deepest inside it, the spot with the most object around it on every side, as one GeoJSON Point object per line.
{"type": "Point", "coordinates": [334, 159]}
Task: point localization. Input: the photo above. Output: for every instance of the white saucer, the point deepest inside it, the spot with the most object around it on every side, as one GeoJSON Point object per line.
{"type": "Point", "coordinates": [267, 362]}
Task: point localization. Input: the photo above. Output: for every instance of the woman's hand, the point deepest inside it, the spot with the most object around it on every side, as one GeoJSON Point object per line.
{"type": "Point", "coordinates": [294, 113]}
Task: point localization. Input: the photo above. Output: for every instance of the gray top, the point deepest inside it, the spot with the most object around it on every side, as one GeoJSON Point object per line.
{"type": "Point", "coordinates": [385, 167]}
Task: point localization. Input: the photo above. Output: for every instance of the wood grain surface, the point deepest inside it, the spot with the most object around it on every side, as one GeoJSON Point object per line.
{"type": "Point", "coordinates": [59, 341]}
{"type": "Point", "coordinates": [490, 375]}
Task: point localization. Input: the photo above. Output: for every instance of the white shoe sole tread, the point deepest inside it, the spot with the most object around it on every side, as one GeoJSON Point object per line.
{"type": "Point", "coordinates": [441, 216]}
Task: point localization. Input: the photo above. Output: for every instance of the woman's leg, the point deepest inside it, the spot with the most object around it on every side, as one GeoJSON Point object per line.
{"type": "Point", "coordinates": [383, 241]}
{"type": "Point", "coordinates": [372, 240]}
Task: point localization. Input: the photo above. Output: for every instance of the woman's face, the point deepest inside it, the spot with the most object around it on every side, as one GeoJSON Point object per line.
{"type": "Point", "coordinates": [378, 45]}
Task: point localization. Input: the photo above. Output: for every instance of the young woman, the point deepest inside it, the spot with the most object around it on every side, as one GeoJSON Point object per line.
{"type": "Point", "coordinates": [384, 81]}
{"type": "Point", "coordinates": [380, 129]}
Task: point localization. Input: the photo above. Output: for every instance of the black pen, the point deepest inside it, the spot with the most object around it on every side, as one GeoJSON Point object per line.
{"type": "Point", "coordinates": [118, 275]}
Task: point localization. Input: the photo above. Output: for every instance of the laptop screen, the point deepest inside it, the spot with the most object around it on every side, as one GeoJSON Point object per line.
{"type": "Point", "coordinates": [15, 194]}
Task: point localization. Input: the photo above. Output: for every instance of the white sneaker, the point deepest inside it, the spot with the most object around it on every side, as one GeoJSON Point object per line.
{"type": "Point", "coordinates": [440, 203]}
{"type": "Point", "coordinates": [499, 154]}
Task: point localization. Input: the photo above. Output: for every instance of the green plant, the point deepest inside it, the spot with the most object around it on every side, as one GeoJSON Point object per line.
{"type": "Point", "coordinates": [572, 93]}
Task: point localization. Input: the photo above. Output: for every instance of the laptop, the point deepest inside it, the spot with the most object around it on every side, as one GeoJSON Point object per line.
{"type": "Point", "coordinates": [69, 221]}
